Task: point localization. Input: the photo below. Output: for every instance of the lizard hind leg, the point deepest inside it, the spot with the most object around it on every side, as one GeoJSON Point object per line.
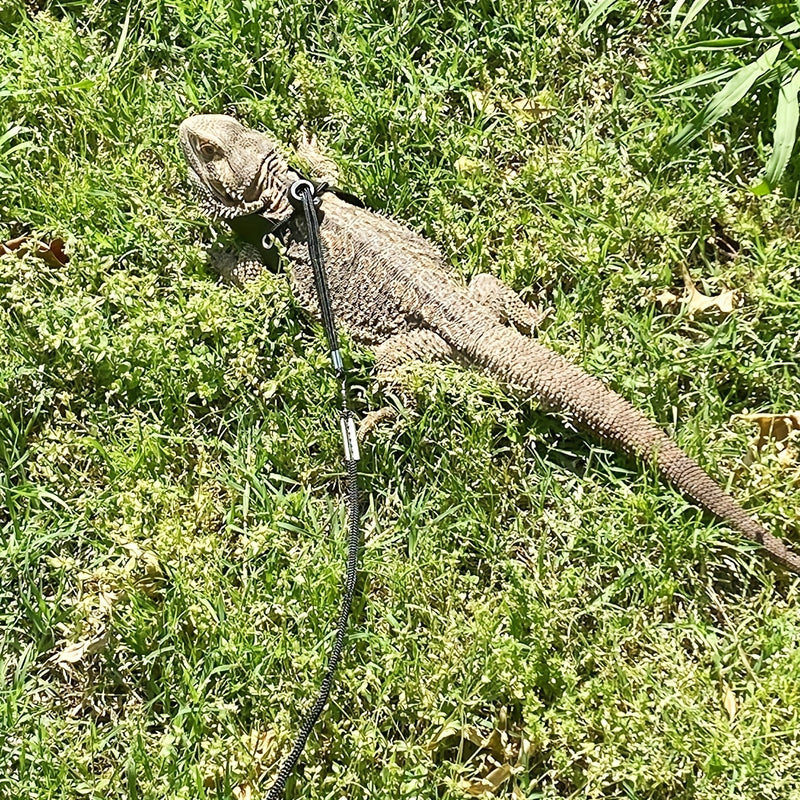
{"type": "Point", "coordinates": [390, 359]}
{"type": "Point", "coordinates": [419, 344]}
{"type": "Point", "coordinates": [504, 303]}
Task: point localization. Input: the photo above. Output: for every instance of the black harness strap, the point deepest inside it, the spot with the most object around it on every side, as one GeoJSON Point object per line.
{"type": "Point", "coordinates": [264, 232]}
{"type": "Point", "coordinates": [304, 195]}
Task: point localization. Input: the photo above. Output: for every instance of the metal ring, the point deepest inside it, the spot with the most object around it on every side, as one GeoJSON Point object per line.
{"type": "Point", "coordinates": [295, 196]}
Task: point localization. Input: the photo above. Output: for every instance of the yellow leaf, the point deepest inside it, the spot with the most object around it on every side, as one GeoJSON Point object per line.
{"type": "Point", "coordinates": [483, 102]}
{"type": "Point", "coordinates": [467, 166]}
{"type": "Point", "coordinates": [729, 701]}
{"type": "Point", "coordinates": [529, 108]}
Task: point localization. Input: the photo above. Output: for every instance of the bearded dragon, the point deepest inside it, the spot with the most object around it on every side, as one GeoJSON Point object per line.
{"type": "Point", "coordinates": [392, 291]}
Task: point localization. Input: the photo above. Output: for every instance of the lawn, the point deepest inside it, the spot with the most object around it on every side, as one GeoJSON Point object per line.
{"type": "Point", "coordinates": [534, 610]}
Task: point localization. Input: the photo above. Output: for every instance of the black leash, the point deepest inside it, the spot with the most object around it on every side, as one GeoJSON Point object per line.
{"type": "Point", "coordinates": [304, 195]}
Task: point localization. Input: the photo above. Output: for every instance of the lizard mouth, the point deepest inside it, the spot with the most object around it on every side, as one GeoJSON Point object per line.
{"type": "Point", "coordinates": [233, 197]}
{"type": "Point", "coordinates": [255, 189]}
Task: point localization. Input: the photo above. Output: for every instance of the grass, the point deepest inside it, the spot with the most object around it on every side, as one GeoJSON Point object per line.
{"type": "Point", "coordinates": [172, 532]}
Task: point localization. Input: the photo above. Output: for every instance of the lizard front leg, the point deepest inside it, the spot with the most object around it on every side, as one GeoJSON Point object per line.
{"type": "Point", "coordinates": [504, 303]}
{"type": "Point", "coordinates": [238, 268]}
{"type": "Point", "coordinates": [390, 358]}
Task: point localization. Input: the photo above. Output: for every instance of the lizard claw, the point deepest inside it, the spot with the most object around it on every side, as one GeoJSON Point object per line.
{"type": "Point", "coordinates": [373, 419]}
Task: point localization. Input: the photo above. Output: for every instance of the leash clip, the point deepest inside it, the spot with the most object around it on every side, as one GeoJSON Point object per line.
{"type": "Point", "coordinates": [349, 437]}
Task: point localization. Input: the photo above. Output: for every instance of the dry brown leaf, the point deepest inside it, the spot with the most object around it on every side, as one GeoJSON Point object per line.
{"type": "Point", "coordinates": [106, 601]}
{"type": "Point", "coordinates": [483, 102]}
{"type": "Point", "coordinates": [472, 734]}
{"type": "Point", "coordinates": [496, 743]}
{"type": "Point", "coordinates": [698, 303]}
{"type": "Point", "coordinates": [152, 584]}
{"type": "Point", "coordinates": [448, 731]}
{"type": "Point", "coordinates": [152, 567]}
{"type": "Point", "coordinates": [51, 252]}
{"type": "Point", "coordinates": [490, 759]}
{"type": "Point", "coordinates": [152, 581]}
{"type": "Point", "coordinates": [133, 550]}
{"type": "Point", "coordinates": [243, 791]}
{"type": "Point", "coordinates": [525, 748]}
{"type": "Point", "coordinates": [11, 245]}
{"type": "Point", "coordinates": [695, 301]}
{"type": "Point", "coordinates": [248, 765]}
{"type": "Point", "coordinates": [211, 778]}
{"type": "Point", "coordinates": [773, 427]}
{"type": "Point", "coordinates": [77, 651]}
{"type": "Point", "coordinates": [261, 745]}
{"type": "Point", "coordinates": [502, 719]}
{"type": "Point", "coordinates": [729, 701]}
{"type": "Point", "coordinates": [476, 787]}
{"type": "Point", "coordinates": [73, 653]}
{"type": "Point", "coordinates": [666, 298]}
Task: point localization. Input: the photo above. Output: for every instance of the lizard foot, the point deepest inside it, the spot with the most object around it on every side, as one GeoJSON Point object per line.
{"type": "Point", "coordinates": [373, 419]}
{"type": "Point", "coordinates": [392, 359]}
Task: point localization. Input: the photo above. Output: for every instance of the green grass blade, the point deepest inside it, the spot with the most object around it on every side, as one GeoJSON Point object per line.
{"type": "Point", "coordinates": [694, 9]}
{"type": "Point", "coordinates": [13, 131]}
{"type": "Point", "coordinates": [5, 151]}
{"type": "Point", "coordinates": [123, 37]}
{"type": "Point", "coordinates": [725, 43]}
{"type": "Point", "coordinates": [727, 97]}
{"type": "Point", "coordinates": [786, 117]}
{"type": "Point", "coordinates": [698, 80]}
{"type": "Point", "coordinates": [675, 11]}
{"type": "Point", "coordinates": [789, 28]}
{"type": "Point", "coordinates": [598, 12]}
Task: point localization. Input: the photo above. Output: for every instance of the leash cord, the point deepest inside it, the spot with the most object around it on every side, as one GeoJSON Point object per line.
{"type": "Point", "coordinates": [303, 195]}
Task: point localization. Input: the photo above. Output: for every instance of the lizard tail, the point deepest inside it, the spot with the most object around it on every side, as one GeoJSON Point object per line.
{"type": "Point", "coordinates": [524, 364]}
{"type": "Point", "coordinates": [689, 477]}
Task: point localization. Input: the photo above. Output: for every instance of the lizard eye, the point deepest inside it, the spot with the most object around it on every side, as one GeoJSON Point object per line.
{"type": "Point", "coordinates": [207, 150]}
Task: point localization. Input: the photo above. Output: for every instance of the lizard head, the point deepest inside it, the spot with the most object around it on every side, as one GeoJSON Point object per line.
{"type": "Point", "coordinates": [236, 170]}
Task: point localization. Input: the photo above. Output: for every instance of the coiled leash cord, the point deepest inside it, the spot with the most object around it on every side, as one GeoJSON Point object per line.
{"type": "Point", "coordinates": [303, 195]}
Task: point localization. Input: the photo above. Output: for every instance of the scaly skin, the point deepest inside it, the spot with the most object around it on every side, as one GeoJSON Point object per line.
{"type": "Point", "coordinates": [391, 289]}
